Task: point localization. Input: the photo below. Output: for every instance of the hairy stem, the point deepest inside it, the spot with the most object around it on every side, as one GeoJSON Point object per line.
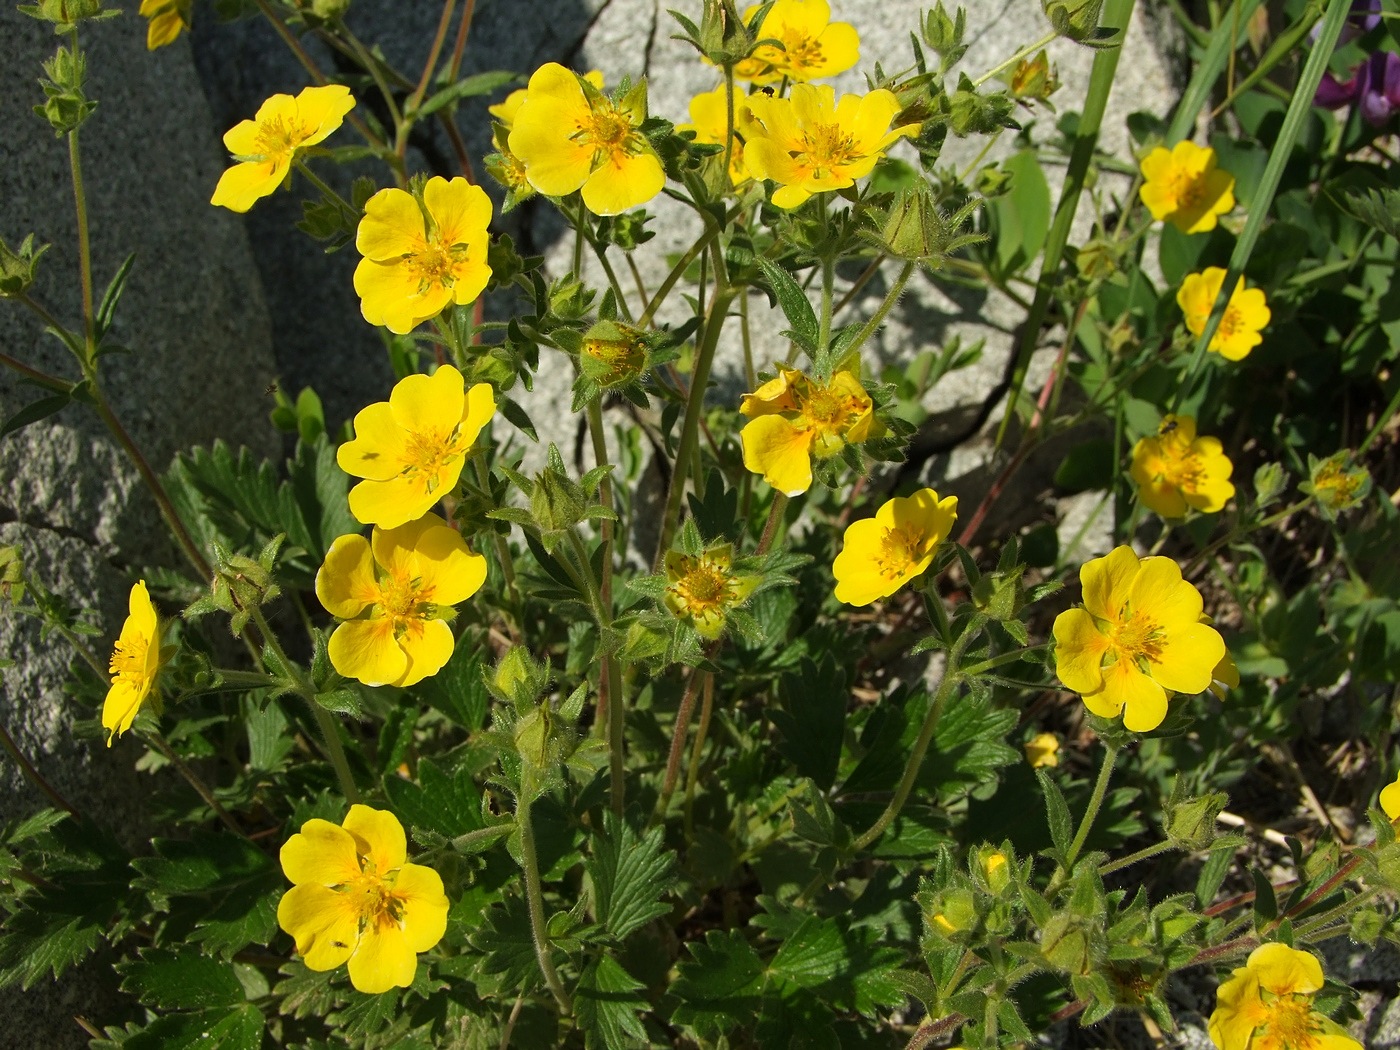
{"type": "Point", "coordinates": [534, 894]}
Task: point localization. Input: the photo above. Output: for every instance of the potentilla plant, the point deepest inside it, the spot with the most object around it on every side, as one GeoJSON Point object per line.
{"type": "Point", "coordinates": [815, 746]}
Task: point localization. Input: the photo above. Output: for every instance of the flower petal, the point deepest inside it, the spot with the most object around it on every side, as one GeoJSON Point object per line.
{"type": "Point", "coordinates": [321, 854]}
{"type": "Point", "coordinates": [345, 583]}
{"type": "Point", "coordinates": [1186, 658]}
{"type": "Point", "coordinates": [1107, 582]}
{"type": "Point", "coordinates": [380, 838]}
{"type": "Point", "coordinates": [1284, 970]}
{"type": "Point", "coordinates": [623, 181]}
{"type": "Point", "coordinates": [460, 210]}
{"type": "Point", "coordinates": [242, 185]}
{"type": "Point", "coordinates": [780, 452]}
{"type": "Point", "coordinates": [382, 960]}
{"type": "Point", "coordinates": [392, 226]}
{"type": "Point", "coordinates": [366, 651]}
{"type": "Point", "coordinates": [429, 404]}
{"type": "Point", "coordinates": [324, 924]}
{"type": "Point", "coordinates": [1143, 701]}
{"type": "Point", "coordinates": [1079, 651]}
{"type": "Point", "coordinates": [379, 449]}
{"type": "Point", "coordinates": [425, 906]}
{"type": "Point", "coordinates": [427, 645]}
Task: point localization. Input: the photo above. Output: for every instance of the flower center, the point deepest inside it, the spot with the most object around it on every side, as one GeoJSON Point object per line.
{"type": "Point", "coordinates": [373, 898]}
{"type": "Point", "coordinates": [403, 597]}
{"type": "Point", "coordinates": [129, 658]}
{"type": "Point", "coordinates": [900, 548]}
{"type": "Point", "coordinates": [607, 130]}
{"type": "Point", "coordinates": [434, 264]}
{"type": "Point", "coordinates": [1231, 324]}
{"type": "Point", "coordinates": [704, 587]}
{"type": "Point", "coordinates": [278, 137]}
{"type": "Point", "coordinates": [826, 147]}
{"type": "Point", "coordinates": [429, 454]}
{"type": "Point", "coordinates": [1188, 188]}
{"type": "Point", "coordinates": [1134, 636]}
{"type": "Point", "coordinates": [1290, 1026]}
{"type": "Point", "coordinates": [801, 51]}
{"type": "Point", "coordinates": [826, 408]}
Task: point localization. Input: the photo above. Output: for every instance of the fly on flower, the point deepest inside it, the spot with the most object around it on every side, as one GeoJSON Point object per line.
{"type": "Point", "coordinates": [569, 136]}
{"type": "Point", "coordinates": [1175, 470]}
{"type": "Point", "coordinates": [266, 146]}
{"type": "Point", "coordinates": [355, 898]}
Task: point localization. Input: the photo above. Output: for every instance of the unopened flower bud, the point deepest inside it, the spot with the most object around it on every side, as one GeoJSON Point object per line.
{"type": "Point", "coordinates": [1066, 944]}
{"type": "Point", "coordinates": [994, 868]}
{"type": "Point", "coordinates": [613, 354]}
{"type": "Point", "coordinates": [1076, 19]}
{"type": "Point", "coordinates": [17, 268]}
{"type": "Point", "coordinates": [943, 34]}
{"type": "Point", "coordinates": [1190, 822]}
{"type": "Point", "coordinates": [1034, 78]}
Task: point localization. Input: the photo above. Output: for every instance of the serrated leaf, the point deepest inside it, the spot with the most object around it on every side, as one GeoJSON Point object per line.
{"type": "Point", "coordinates": [811, 955]}
{"type": "Point", "coordinates": [165, 980]}
{"type": "Point", "coordinates": [36, 945]}
{"type": "Point", "coordinates": [719, 987]}
{"type": "Point", "coordinates": [629, 875]}
{"type": "Point", "coordinates": [304, 993]}
{"type": "Point", "coordinates": [451, 806]}
{"type": "Point", "coordinates": [608, 1007]}
{"type": "Point", "coordinates": [508, 944]}
{"type": "Point", "coordinates": [1056, 813]}
{"type": "Point", "coordinates": [237, 1029]}
{"type": "Point", "coordinates": [812, 722]}
{"type": "Point", "coordinates": [246, 915]}
{"type": "Point", "coordinates": [458, 690]}
{"type": "Point", "coordinates": [793, 301]}
{"type": "Point", "coordinates": [204, 862]}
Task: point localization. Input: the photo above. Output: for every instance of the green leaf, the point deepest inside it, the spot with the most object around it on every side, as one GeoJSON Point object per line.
{"type": "Point", "coordinates": [630, 875]}
{"type": "Point", "coordinates": [204, 862]}
{"type": "Point", "coordinates": [37, 944]}
{"type": "Point", "coordinates": [269, 743]}
{"type": "Point", "coordinates": [1377, 208]}
{"type": "Point", "coordinates": [479, 84]}
{"type": "Point", "coordinates": [458, 690]}
{"type": "Point", "coordinates": [451, 806]}
{"type": "Point", "coordinates": [1021, 216]}
{"type": "Point", "coordinates": [812, 955]}
{"type": "Point", "coordinates": [608, 1007]}
{"type": "Point", "coordinates": [103, 319]}
{"type": "Point", "coordinates": [33, 412]}
{"type": "Point", "coordinates": [1088, 465]}
{"type": "Point", "coordinates": [813, 719]}
{"type": "Point", "coordinates": [320, 493]}
{"type": "Point", "coordinates": [1057, 814]}
{"type": "Point", "coordinates": [238, 1029]}
{"type": "Point", "coordinates": [719, 986]}
{"type": "Point", "coordinates": [794, 303]}
{"type": "Point", "coordinates": [166, 980]}
{"type": "Point", "coordinates": [245, 915]}
{"type": "Point", "coordinates": [505, 938]}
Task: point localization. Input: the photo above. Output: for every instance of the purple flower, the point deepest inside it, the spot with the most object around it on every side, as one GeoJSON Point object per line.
{"type": "Point", "coordinates": [1374, 86]}
{"type": "Point", "coordinates": [1364, 16]}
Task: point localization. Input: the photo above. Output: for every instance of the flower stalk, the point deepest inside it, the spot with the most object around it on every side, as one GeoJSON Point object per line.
{"type": "Point", "coordinates": [534, 893]}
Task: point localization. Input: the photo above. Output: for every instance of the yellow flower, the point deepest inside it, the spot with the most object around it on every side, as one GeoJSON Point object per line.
{"type": "Point", "coordinates": [505, 111]}
{"type": "Point", "coordinates": [570, 138]}
{"type": "Point", "coordinates": [709, 113]}
{"type": "Point", "coordinates": [1043, 750]}
{"type": "Point", "coordinates": [811, 143]}
{"type": "Point", "coordinates": [419, 258]}
{"type": "Point", "coordinates": [1390, 799]}
{"type": "Point", "coordinates": [168, 19]}
{"type": "Point", "coordinates": [395, 593]}
{"type": "Point", "coordinates": [1184, 187]}
{"type": "Point", "coordinates": [702, 590]}
{"type": "Point", "coordinates": [883, 553]}
{"type": "Point", "coordinates": [1267, 1005]}
{"type": "Point", "coordinates": [411, 448]}
{"type": "Point", "coordinates": [1245, 316]}
{"type": "Point", "coordinates": [1175, 470]}
{"type": "Point", "coordinates": [266, 145]}
{"type": "Point", "coordinates": [798, 419]}
{"type": "Point", "coordinates": [813, 45]}
{"type": "Point", "coordinates": [136, 660]}
{"type": "Point", "coordinates": [355, 897]}
{"type": "Point", "coordinates": [1138, 635]}
{"type": "Point", "coordinates": [1226, 675]}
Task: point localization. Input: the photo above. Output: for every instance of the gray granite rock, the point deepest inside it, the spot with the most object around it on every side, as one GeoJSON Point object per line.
{"type": "Point", "coordinates": [194, 317]}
